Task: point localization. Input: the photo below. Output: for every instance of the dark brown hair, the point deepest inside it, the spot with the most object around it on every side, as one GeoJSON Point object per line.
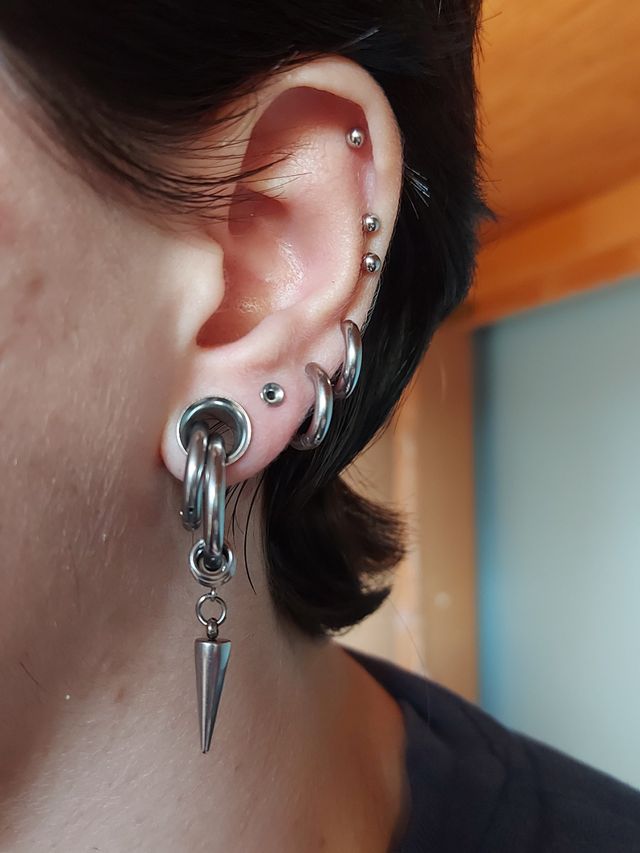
{"type": "Point", "coordinates": [128, 84]}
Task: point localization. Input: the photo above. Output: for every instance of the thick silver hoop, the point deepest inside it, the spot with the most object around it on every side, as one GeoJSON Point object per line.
{"type": "Point", "coordinates": [322, 410]}
{"type": "Point", "coordinates": [212, 411]}
{"type": "Point", "coordinates": [191, 512]}
{"type": "Point", "coordinates": [215, 490]}
{"type": "Point", "coordinates": [352, 365]}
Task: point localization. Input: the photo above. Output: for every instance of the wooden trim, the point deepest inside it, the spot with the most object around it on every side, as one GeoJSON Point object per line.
{"type": "Point", "coordinates": [592, 244]}
{"type": "Point", "coordinates": [442, 421]}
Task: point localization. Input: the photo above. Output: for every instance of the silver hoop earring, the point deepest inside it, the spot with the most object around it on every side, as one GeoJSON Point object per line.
{"type": "Point", "coordinates": [191, 512]}
{"type": "Point", "coordinates": [352, 365]}
{"type": "Point", "coordinates": [211, 560]}
{"type": "Point", "coordinates": [322, 410]}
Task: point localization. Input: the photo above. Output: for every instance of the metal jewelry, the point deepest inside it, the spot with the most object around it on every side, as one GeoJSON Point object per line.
{"type": "Point", "coordinates": [352, 365]}
{"type": "Point", "coordinates": [272, 394]}
{"type": "Point", "coordinates": [355, 138]}
{"type": "Point", "coordinates": [370, 223]}
{"type": "Point", "coordinates": [371, 262]}
{"type": "Point", "coordinates": [322, 410]}
{"type": "Point", "coordinates": [211, 561]}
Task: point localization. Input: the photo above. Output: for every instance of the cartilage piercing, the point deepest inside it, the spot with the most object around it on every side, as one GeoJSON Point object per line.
{"type": "Point", "coordinates": [355, 138]}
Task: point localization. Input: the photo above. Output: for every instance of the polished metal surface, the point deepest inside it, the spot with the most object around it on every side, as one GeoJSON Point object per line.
{"type": "Point", "coordinates": [191, 512]}
{"type": "Point", "coordinates": [205, 574]}
{"type": "Point", "coordinates": [272, 394]}
{"type": "Point", "coordinates": [371, 262]}
{"type": "Point", "coordinates": [370, 223]}
{"type": "Point", "coordinates": [215, 490]}
{"type": "Point", "coordinates": [355, 138]}
{"type": "Point", "coordinates": [214, 598]}
{"type": "Point", "coordinates": [322, 410]}
{"type": "Point", "coordinates": [211, 411]}
{"type": "Point", "coordinates": [352, 364]}
{"type": "Point", "coordinates": [211, 659]}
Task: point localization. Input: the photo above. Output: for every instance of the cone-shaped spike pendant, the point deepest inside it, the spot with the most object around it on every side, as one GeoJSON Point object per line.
{"type": "Point", "coordinates": [212, 657]}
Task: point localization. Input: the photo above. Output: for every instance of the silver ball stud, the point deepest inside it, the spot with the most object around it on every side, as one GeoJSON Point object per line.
{"type": "Point", "coordinates": [371, 262]}
{"type": "Point", "coordinates": [370, 223]}
{"type": "Point", "coordinates": [272, 394]}
{"type": "Point", "coordinates": [355, 138]}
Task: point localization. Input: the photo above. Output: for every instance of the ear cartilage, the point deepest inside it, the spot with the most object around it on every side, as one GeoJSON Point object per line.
{"type": "Point", "coordinates": [355, 138]}
{"type": "Point", "coordinates": [371, 262]}
{"type": "Point", "coordinates": [370, 223]}
{"type": "Point", "coordinates": [272, 394]}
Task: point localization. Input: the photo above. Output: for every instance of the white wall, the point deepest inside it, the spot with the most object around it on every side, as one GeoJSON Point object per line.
{"type": "Point", "coordinates": [558, 525]}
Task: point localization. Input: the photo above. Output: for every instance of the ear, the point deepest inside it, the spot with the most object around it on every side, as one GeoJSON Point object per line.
{"type": "Point", "coordinates": [292, 245]}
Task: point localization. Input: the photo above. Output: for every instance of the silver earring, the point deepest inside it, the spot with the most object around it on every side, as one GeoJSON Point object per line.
{"type": "Point", "coordinates": [370, 223]}
{"type": "Point", "coordinates": [350, 372]}
{"type": "Point", "coordinates": [355, 138]}
{"type": "Point", "coordinates": [371, 262]}
{"type": "Point", "coordinates": [322, 410]}
{"type": "Point", "coordinates": [211, 560]}
{"type": "Point", "coordinates": [272, 394]}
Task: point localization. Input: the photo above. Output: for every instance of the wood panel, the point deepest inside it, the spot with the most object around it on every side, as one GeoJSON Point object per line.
{"type": "Point", "coordinates": [560, 89]}
{"type": "Point", "coordinates": [592, 244]}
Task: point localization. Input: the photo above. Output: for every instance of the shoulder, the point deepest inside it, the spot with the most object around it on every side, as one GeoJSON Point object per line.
{"type": "Point", "coordinates": [477, 785]}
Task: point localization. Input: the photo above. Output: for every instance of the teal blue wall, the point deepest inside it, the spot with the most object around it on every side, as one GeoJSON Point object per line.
{"type": "Point", "coordinates": [558, 509]}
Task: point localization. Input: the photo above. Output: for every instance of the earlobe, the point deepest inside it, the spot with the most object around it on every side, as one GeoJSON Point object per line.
{"type": "Point", "coordinates": [302, 244]}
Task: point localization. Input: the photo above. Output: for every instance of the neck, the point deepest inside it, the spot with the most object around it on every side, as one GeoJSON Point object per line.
{"type": "Point", "coordinates": [99, 720]}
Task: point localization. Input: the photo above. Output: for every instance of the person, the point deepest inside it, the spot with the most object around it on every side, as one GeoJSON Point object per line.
{"type": "Point", "coordinates": [228, 232]}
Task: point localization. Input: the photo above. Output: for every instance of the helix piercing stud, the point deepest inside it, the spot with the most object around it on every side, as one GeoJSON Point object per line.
{"type": "Point", "coordinates": [355, 138]}
{"type": "Point", "coordinates": [371, 262]}
{"type": "Point", "coordinates": [272, 394]}
{"type": "Point", "coordinates": [370, 223]}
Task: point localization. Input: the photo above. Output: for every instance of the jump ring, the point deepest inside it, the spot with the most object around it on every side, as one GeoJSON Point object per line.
{"type": "Point", "coordinates": [212, 597]}
{"type": "Point", "coordinates": [322, 410]}
{"type": "Point", "coordinates": [350, 372]}
{"type": "Point", "coordinates": [191, 512]}
{"type": "Point", "coordinates": [208, 577]}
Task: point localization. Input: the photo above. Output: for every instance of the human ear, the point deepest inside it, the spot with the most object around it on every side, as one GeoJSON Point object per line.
{"type": "Point", "coordinates": [294, 250]}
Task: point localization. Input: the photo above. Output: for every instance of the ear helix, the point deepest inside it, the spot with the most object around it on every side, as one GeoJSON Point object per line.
{"type": "Point", "coordinates": [352, 364]}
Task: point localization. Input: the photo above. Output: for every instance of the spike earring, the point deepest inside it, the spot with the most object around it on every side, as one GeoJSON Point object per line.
{"type": "Point", "coordinates": [211, 560]}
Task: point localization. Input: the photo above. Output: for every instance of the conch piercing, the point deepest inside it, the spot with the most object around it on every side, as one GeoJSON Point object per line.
{"type": "Point", "coordinates": [355, 138]}
{"type": "Point", "coordinates": [352, 365]}
{"type": "Point", "coordinates": [211, 560]}
{"type": "Point", "coordinates": [322, 410]}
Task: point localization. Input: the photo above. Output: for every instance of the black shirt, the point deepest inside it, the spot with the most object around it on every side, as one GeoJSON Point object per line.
{"type": "Point", "coordinates": [476, 785]}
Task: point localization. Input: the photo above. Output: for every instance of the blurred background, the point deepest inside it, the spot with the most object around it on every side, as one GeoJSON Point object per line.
{"type": "Point", "coordinates": [516, 455]}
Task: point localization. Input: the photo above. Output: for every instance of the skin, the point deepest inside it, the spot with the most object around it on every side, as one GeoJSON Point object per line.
{"type": "Point", "coordinates": [112, 321]}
